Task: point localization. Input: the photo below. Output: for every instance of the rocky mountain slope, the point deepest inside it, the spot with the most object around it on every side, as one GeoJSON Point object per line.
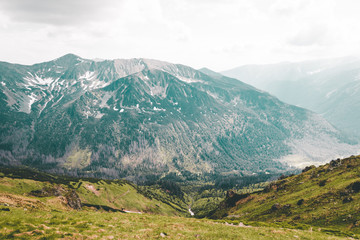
{"type": "Point", "coordinates": [327, 196]}
{"type": "Point", "coordinates": [142, 118]}
{"type": "Point", "coordinates": [329, 87]}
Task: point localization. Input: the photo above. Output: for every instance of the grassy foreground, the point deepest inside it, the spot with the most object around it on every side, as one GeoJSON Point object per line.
{"type": "Point", "coordinates": [20, 223]}
{"type": "Point", "coordinates": [35, 205]}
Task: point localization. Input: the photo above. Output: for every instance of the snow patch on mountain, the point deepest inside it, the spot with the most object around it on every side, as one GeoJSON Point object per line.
{"type": "Point", "coordinates": [80, 60]}
{"type": "Point", "coordinates": [188, 80]}
{"type": "Point", "coordinates": [104, 100]}
{"type": "Point", "coordinates": [97, 84]}
{"type": "Point", "coordinates": [57, 101]}
{"type": "Point", "coordinates": [88, 75]}
{"type": "Point", "coordinates": [213, 95]}
{"type": "Point", "coordinates": [159, 109]}
{"type": "Point", "coordinates": [55, 86]}
{"type": "Point", "coordinates": [26, 103]}
{"type": "Point", "coordinates": [45, 104]}
{"type": "Point", "coordinates": [99, 115]}
{"type": "Point", "coordinates": [89, 81]}
{"type": "Point", "coordinates": [35, 80]}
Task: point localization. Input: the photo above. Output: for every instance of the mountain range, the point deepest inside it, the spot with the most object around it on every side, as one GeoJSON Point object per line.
{"type": "Point", "coordinates": [142, 118]}
{"type": "Point", "coordinates": [329, 87]}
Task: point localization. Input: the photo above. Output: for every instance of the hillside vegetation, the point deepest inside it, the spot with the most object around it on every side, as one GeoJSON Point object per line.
{"type": "Point", "coordinates": [24, 187]}
{"type": "Point", "coordinates": [327, 197]}
{"type": "Point", "coordinates": [36, 205]}
{"type": "Point", "coordinates": [39, 224]}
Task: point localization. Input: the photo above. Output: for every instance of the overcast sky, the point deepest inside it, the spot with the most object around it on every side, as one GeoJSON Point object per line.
{"type": "Point", "coordinates": [216, 34]}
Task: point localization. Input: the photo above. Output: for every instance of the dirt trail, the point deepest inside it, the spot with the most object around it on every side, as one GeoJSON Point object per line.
{"type": "Point", "coordinates": [124, 193]}
{"type": "Point", "coordinates": [92, 189]}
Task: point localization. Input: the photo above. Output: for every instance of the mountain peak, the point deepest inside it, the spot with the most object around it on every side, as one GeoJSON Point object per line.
{"type": "Point", "coordinates": [68, 56]}
{"type": "Point", "coordinates": [67, 59]}
{"type": "Point", "coordinates": [209, 72]}
{"type": "Point", "coordinates": [145, 62]}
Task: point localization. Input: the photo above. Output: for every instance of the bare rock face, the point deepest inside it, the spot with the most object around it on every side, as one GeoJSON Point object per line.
{"type": "Point", "coordinates": [68, 196]}
{"type": "Point", "coordinates": [73, 200]}
{"type": "Point", "coordinates": [49, 191]}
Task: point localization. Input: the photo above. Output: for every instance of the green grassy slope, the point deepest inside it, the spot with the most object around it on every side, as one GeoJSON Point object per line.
{"type": "Point", "coordinates": [38, 224]}
{"type": "Point", "coordinates": [35, 205]}
{"type": "Point", "coordinates": [17, 187]}
{"type": "Point", "coordinates": [327, 197]}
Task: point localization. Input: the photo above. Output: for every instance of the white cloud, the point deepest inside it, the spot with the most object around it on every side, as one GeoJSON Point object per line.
{"type": "Point", "coordinates": [216, 34]}
{"type": "Point", "coordinates": [310, 36]}
{"type": "Point", "coordinates": [52, 12]}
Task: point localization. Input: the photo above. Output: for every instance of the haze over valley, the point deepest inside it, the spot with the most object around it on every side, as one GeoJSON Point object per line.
{"type": "Point", "coordinates": [328, 87]}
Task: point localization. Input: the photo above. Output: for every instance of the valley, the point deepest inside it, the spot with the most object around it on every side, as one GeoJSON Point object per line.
{"type": "Point", "coordinates": [319, 203]}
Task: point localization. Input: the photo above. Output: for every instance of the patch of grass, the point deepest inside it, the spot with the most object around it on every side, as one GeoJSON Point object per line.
{"type": "Point", "coordinates": [317, 197]}
{"type": "Point", "coordinates": [17, 186]}
{"type": "Point", "coordinates": [105, 225]}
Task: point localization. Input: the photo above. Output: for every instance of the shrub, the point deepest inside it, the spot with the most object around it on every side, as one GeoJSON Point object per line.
{"type": "Point", "coordinates": [355, 186]}
{"type": "Point", "coordinates": [308, 168]}
{"type": "Point", "coordinates": [275, 207]}
{"type": "Point", "coordinates": [322, 183]}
